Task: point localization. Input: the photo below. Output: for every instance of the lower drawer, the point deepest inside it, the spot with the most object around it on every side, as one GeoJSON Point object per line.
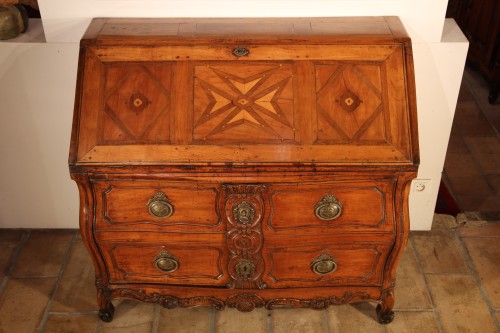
{"type": "Point", "coordinates": [179, 263]}
{"type": "Point", "coordinates": [325, 264]}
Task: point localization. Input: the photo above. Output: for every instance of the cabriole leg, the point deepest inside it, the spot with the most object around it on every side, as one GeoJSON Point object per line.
{"type": "Point", "coordinates": [106, 308]}
{"type": "Point", "coordinates": [385, 314]}
{"type": "Point", "coordinates": [106, 313]}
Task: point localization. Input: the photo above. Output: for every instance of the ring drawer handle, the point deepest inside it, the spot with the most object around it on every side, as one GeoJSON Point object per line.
{"type": "Point", "coordinates": [241, 52]}
{"type": "Point", "coordinates": [329, 208]}
{"type": "Point", "coordinates": [166, 262]}
{"type": "Point", "coordinates": [324, 264]}
{"type": "Point", "coordinates": [160, 206]}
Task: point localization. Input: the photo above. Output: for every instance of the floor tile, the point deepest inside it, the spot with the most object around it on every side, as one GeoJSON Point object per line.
{"type": "Point", "coordinates": [460, 304]}
{"type": "Point", "coordinates": [130, 317]}
{"type": "Point", "coordinates": [461, 165]}
{"type": "Point", "coordinates": [494, 118]}
{"type": "Point", "coordinates": [23, 304]}
{"type": "Point", "coordinates": [183, 320]}
{"type": "Point", "coordinates": [353, 318]}
{"type": "Point", "coordinates": [413, 322]}
{"type": "Point", "coordinates": [470, 185]}
{"type": "Point", "coordinates": [485, 150]}
{"type": "Point", "coordinates": [6, 252]}
{"type": "Point", "coordinates": [232, 320]}
{"type": "Point", "coordinates": [71, 323]}
{"type": "Point", "coordinates": [457, 144]}
{"type": "Point", "coordinates": [439, 251]}
{"type": "Point", "coordinates": [491, 229]}
{"type": "Point", "coordinates": [297, 320]}
{"type": "Point", "coordinates": [411, 292]}
{"type": "Point", "coordinates": [473, 123]}
{"type": "Point", "coordinates": [478, 203]}
{"type": "Point", "coordinates": [43, 253]}
{"type": "Point", "coordinates": [466, 108]}
{"type": "Point", "coordinates": [444, 222]}
{"type": "Point", "coordinates": [465, 94]}
{"type": "Point", "coordinates": [494, 182]}
{"type": "Point", "coordinates": [78, 276]}
{"type": "Point", "coordinates": [485, 255]}
{"type": "Point", "coordinates": [10, 236]}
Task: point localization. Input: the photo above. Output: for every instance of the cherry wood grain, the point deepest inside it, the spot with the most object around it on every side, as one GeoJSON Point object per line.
{"type": "Point", "coordinates": [200, 264]}
{"type": "Point", "coordinates": [357, 264]}
{"type": "Point", "coordinates": [240, 148]}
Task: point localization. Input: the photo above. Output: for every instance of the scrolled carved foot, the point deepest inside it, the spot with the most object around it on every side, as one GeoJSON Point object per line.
{"type": "Point", "coordinates": [107, 313]}
{"type": "Point", "coordinates": [385, 316]}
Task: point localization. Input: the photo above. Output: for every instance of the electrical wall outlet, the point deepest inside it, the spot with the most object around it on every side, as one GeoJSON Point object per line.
{"type": "Point", "coordinates": [421, 185]}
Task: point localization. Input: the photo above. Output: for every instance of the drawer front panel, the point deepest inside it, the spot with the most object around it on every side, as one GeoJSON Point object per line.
{"type": "Point", "coordinates": [350, 264]}
{"type": "Point", "coordinates": [150, 205]}
{"type": "Point", "coordinates": [361, 206]}
{"type": "Point", "coordinates": [182, 263]}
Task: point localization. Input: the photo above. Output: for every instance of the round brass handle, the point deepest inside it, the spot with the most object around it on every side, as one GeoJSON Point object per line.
{"type": "Point", "coordinates": [329, 208]}
{"type": "Point", "coordinates": [159, 206]}
{"type": "Point", "coordinates": [324, 264]}
{"type": "Point", "coordinates": [241, 52]}
{"type": "Point", "coordinates": [166, 262]}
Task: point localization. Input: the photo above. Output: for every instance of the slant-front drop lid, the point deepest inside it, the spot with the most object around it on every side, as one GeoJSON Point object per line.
{"type": "Point", "coordinates": [246, 91]}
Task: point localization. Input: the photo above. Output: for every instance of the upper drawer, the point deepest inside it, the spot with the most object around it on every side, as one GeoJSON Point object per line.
{"type": "Point", "coordinates": [148, 205]}
{"type": "Point", "coordinates": [323, 100]}
{"type": "Point", "coordinates": [332, 206]}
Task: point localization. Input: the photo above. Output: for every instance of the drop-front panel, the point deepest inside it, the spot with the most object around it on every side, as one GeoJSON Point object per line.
{"type": "Point", "coordinates": [245, 162]}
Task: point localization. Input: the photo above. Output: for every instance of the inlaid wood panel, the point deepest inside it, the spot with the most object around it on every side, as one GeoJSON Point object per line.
{"type": "Point", "coordinates": [136, 103]}
{"type": "Point", "coordinates": [350, 103]}
{"type": "Point", "coordinates": [250, 102]}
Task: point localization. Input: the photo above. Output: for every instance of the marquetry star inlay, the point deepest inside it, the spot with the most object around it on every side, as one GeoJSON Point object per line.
{"type": "Point", "coordinates": [243, 100]}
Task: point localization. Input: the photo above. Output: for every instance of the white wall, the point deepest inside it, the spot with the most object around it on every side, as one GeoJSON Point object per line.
{"type": "Point", "coordinates": [37, 82]}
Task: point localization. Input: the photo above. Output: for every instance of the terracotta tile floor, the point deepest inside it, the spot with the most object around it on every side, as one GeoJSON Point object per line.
{"type": "Point", "coordinates": [448, 278]}
{"type": "Point", "coordinates": [448, 281]}
{"type": "Point", "coordinates": [472, 165]}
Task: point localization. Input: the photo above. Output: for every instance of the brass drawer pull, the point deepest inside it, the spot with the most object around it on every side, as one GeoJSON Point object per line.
{"type": "Point", "coordinates": [241, 52]}
{"type": "Point", "coordinates": [324, 264]}
{"type": "Point", "coordinates": [329, 208]}
{"type": "Point", "coordinates": [166, 262]}
{"type": "Point", "coordinates": [159, 206]}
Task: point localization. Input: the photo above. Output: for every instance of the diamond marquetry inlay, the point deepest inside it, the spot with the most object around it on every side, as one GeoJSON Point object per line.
{"type": "Point", "coordinates": [238, 103]}
{"type": "Point", "coordinates": [349, 103]}
{"type": "Point", "coordinates": [136, 103]}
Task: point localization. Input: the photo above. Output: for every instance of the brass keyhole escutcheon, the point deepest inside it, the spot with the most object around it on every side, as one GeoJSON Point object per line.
{"type": "Point", "coordinates": [324, 264]}
{"type": "Point", "coordinates": [244, 212]}
{"type": "Point", "coordinates": [241, 51]}
{"type": "Point", "coordinates": [159, 206]}
{"type": "Point", "coordinates": [328, 208]}
{"type": "Point", "coordinates": [245, 269]}
{"type": "Point", "coordinates": [166, 262]}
